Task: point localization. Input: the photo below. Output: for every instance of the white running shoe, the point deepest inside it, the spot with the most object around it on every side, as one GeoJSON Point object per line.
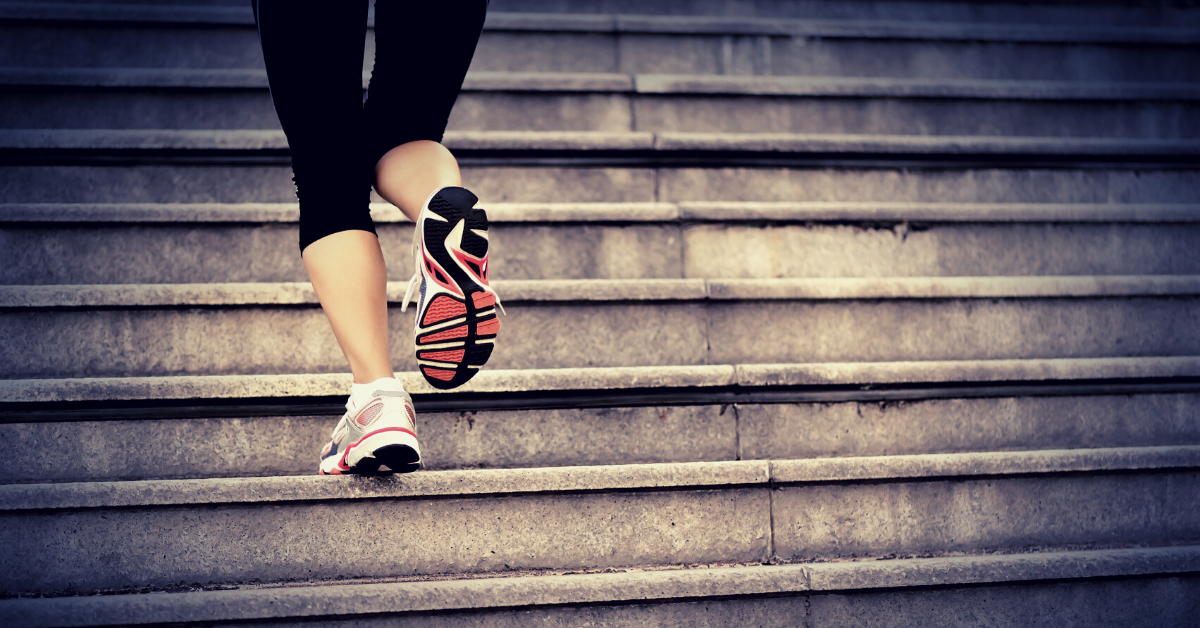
{"type": "Point", "coordinates": [456, 322]}
{"type": "Point", "coordinates": [382, 432]}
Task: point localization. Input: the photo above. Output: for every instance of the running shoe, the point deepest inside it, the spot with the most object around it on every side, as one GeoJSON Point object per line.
{"type": "Point", "coordinates": [382, 432]}
{"type": "Point", "coordinates": [456, 322]}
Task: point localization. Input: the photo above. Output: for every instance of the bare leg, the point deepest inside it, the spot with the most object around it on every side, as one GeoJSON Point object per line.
{"type": "Point", "coordinates": [406, 175]}
{"type": "Point", "coordinates": [347, 268]}
{"type": "Point", "coordinates": [347, 271]}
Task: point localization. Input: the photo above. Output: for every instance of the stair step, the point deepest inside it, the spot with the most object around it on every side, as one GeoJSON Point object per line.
{"type": "Point", "coordinates": [1171, 15]}
{"type": "Point", "coordinates": [190, 243]}
{"type": "Point", "coordinates": [1009, 588]}
{"type": "Point", "coordinates": [80, 430]}
{"type": "Point", "coordinates": [252, 166]}
{"type": "Point", "coordinates": [495, 520]}
{"type": "Point", "coordinates": [238, 99]}
{"type": "Point", "coordinates": [213, 329]}
{"type": "Point", "coordinates": [127, 36]}
{"type": "Point", "coordinates": [250, 141]}
{"type": "Point", "coordinates": [591, 177]}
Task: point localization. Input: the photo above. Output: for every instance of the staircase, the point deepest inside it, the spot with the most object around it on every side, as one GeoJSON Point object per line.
{"type": "Point", "coordinates": [819, 314]}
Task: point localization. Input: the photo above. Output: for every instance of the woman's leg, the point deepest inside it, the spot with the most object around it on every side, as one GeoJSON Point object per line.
{"type": "Point", "coordinates": [407, 174]}
{"type": "Point", "coordinates": [422, 52]}
{"type": "Point", "coordinates": [313, 53]}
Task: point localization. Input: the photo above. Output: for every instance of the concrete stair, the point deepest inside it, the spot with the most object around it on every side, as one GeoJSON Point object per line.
{"type": "Point", "coordinates": [609, 416]}
{"type": "Point", "coordinates": [129, 243]}
{"type": "Point", "coordinates": [170, 329]}
{"type": "Point", "coordinates": [819, 313]}
{"type": "Point", "coordinates": [156, 98]}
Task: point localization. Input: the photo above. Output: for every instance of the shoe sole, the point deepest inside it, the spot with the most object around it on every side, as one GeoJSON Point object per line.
{"type": "Point", "coordinates": [455, 336]}
{"type": "Point", "coordinates": [397, 449]}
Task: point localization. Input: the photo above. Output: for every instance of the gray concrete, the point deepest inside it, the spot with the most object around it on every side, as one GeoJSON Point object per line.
{"type": "Point", "coordinates": [385, 538]}
{"type": "Point", "coordinates": [181, 252]}
{"type": "Point", "coordinates": [628, 588]}
{"type": "Point", "coordinates": [929, 476]}
{"type": "Point", "coordinates": [765, 114]}
{"type": "Point", "coordinates": [497, 184]}
{"type": "Point", "coordinates": [857, 250]}
{"type": "Point", "coordinates": [184, 253]}
{"type": "Point", "coordinates": [964, 371]}
{"type": "Point", "coordinates": [767, 144]}
{"type": "Point", "coordinates": [572, 291]}
{"type": "Point", "coordinates": [1159, 602]}
{"type": "Point", "coordinates": [856, 107]}
{"type": "Point", "coordinates": [230, 12]}
{"type": "Point", "coordinates": [615, 378]}
{"type": "Point", "coordinates": [488, 380]}
{"type": "Point", "coordinates": [874, 212]}
{"type": "Point", "coordinates": [1156, 602]}
{"type": "Point", "coordinates": [219, 329]}
{"type": "Point", "coordinates": [963, 425]}
{"type": "Point", "coordinates": [970, 515]}
{"type": "Point", "coordinates": [36, 499]}
{"type": "Point", "coordinates": [178, 519]}
{"type": "Point", "coordinates": [287, 340]}
{"type": "Point", "coordinates": [715, 45]}
{"type": "Point", "coordinates": [269, 446]}
{"type": "Point", "coordinates": [939, 184]}
{"type": "Point", "coordinates": [937, 330]}
{"type": "Point", "coordinates": [272, 446]}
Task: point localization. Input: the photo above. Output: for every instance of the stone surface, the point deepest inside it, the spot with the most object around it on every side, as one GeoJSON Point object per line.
{"type": "Point", "coordinates": [629, 589]}
{"type": "Point", "coordinates": [384, 538]}
{"type": "Point", "coordinates": [848, 250]}
{"type": "Point", "coordinates": [174, 253]}
{"type": "Point", "coordinates": [1155, 116]}
{"type": "Point", "coordinates": [612, 378]}
{"type": "Point", "coordinates": [766, 144]}
{"type": "Point", "coordinates": [988, 185]}
{"type": "Point", "coordinates": [286, 340]}
{"type": "Point", "coordinates": [869, 86]}
{"type": "Point", "coordinates": [869, 331]}
{"type": "Point", "coordinates": [961, 425]}
{"type": "Point", "coordinates": [831, 520]}
{"type": "Point", "coordinates": [272, 184]}
{"type": "Point", "coordinates": [279, 339]}
{"type": "Point", "coordinates": [978, 371]}
{"type": "Point", "coordinates": [858, 115]}
{"type": "Point", "coordinates": [334, 384]}
{"type": "Point", "coordinates": [270, 446]}
{"type": "Point", "coordinates": [1158, 602]}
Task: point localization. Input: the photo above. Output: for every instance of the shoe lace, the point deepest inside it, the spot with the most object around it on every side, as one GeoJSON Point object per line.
{"type": "Point", "coordinates": [408, 292]}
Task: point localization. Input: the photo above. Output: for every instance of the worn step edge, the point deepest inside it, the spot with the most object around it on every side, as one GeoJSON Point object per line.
{"type": "Point", "coordinates": [636, 141]}
{"type": "Point", "coordinates": [689, 211]}
{"type": "Point", "coordinates": [599, 290]}
{"type": "Point", "coordinates": [209, 387]}
{"type": "Point", "coordinates": [652, 24]}
{"type": "Point", "coordinates": [658, 84]}
{"type": "Point", "coordinates": [625, 587]}
{"type": "Point", "coordinates": [659, 476]}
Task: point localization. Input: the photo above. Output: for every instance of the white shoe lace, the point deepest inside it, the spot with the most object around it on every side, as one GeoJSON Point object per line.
{"type": "Point", "coordinates": [412, 286]}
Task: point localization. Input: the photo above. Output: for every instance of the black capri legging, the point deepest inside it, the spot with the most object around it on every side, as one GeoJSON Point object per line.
{"type": "Point", "coordinates": [314, 56]}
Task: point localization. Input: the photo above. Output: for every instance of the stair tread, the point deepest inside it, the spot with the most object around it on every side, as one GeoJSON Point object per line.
{"type": "Point", "coordinates": [632, 585]}
{"type": "Point", "coordinates": [663, 141]}
{"type": "Point", "coordinates": [609, 378]}
{"type": "Point", "coordinates": [557, 82]}
{"type": "Point", "coordinates": [604, 478]}
{"type": "Point", "coordinates": [725, 211]}
{"type": "Point", "coordinates": [632, 23]}
{"type": "Point", "coordinates": [593, 290]}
